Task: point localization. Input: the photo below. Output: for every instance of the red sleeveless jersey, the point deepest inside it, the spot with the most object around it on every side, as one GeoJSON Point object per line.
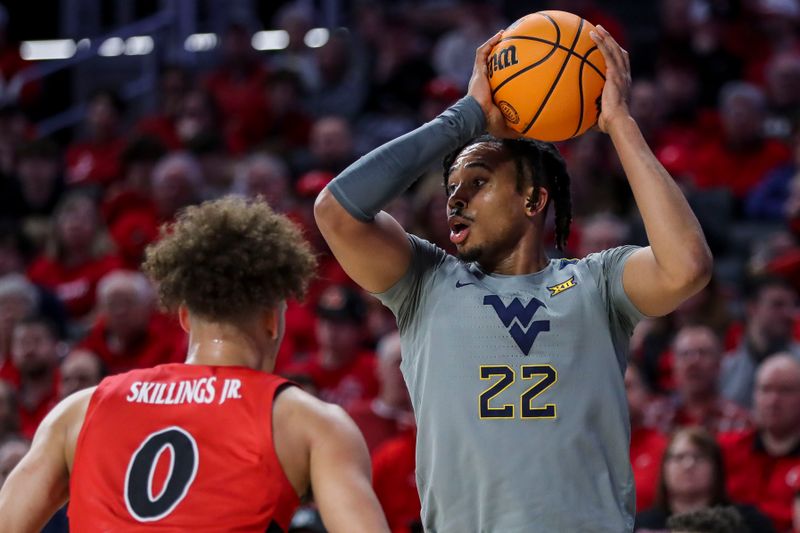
{"type": "Point", "coordinates": [181, 448]}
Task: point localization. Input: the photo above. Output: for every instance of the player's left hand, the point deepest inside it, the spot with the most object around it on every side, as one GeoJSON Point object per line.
{"type": "Point", "coordinates": [614, 101]}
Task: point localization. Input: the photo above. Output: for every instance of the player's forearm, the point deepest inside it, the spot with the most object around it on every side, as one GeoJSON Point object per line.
{"type": "Point", "coordinates": [673, 231]}
{"type": "Point", "coordinates": [373, 181]}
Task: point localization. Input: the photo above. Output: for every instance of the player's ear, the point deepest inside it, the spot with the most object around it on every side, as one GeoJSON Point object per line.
{"type": "Point", "coordinates": [183, 318]}
{"type": "Point", "coordinates": [271, 321]}
{"type": "Point", "coordinates": [535, 200]}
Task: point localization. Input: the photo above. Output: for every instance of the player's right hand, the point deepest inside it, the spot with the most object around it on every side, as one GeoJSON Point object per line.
{"type": "Point", "coordinates": [480, 90]}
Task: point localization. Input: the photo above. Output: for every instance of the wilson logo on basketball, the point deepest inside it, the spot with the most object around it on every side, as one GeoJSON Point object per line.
{"type": "Point", "coordinates": [509, 112]}
{"type": "Point", "coordinates": [502, 59]}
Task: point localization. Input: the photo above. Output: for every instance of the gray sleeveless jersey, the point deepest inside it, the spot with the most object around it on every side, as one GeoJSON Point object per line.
{"type": "Point", "coordinates": [517, 386]}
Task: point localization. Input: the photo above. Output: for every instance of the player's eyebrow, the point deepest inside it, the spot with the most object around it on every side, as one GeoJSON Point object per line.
{"type": "Point", "coordinates": [480, 164]}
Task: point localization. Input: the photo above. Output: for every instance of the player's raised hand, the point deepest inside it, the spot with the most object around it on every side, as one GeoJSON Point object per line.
{"type": "Point", "coordinates": [616, 92]}
{"type": "Point", "coordinates": [480, 90]}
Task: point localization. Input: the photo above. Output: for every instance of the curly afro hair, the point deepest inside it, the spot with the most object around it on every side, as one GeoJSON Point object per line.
{"type": "Point", "coordinates": [229, 258]}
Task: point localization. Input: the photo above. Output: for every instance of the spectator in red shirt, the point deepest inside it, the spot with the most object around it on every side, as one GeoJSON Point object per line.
{"type": "Point", "coordinates": [34, 348]}
{"type": "Point", "coordinates": [395, 483]}
{"type": "Point", "coordinates": [9, 415]}
{"type": "Point", "coordinates": [696, 402]}
{"type": "Point", "coordinates": [743, 156]}
{"type": "Point", "coordinates": [198, 114]}
{"type": "Point", "coordinates": [80, 370]}
{"type": "Point", "coordinates": [95, 160]}
{"type": "Point", "coordinates": [129, 333]}
{"type": "Point", "coordinates": [693, 478]}
{"type": "Point", "coordinates": [238, 88]}
{"type": "Point", "coordinates": [18, 300]}
{"type": "Point", "coordinates": [647, 444]}
{"type": "Point", "coordinates": [177, 182]}
{"type": "Point", "coordinates": [342, 371]}
{"type": "Point", "coordinates": [40, 184]}
{"type": "Point", "coordinates": [173, 85]}
{"type": "Point", "coordinates": [386, 415]}
{"type": "Point", "coordinates": [763, 462]}
{"type": "Point", "coordinates": [76, 255]}
{"type": "Point", "coordinates": [289, 126]}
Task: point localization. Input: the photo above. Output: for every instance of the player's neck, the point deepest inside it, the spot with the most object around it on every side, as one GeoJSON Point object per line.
{"type": "Point", "coordinates": [527, 257]}
{"type": "Point", "coordinates": [226, 345]}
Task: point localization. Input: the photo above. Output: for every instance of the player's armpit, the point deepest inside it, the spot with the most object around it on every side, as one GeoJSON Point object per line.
{"type": "Point", "coordinates": [340, 475]}
{"type": "Point", "coordinates": [652, 290]}
{"type": "Point", "coordinates": [375, 254]}
{"type": "Point", "coordinates": [39, 485]}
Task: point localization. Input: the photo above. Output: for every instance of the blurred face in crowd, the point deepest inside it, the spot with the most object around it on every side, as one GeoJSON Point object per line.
{"type": "Point", "coordinates": [331, 141]}
{"type": "Point", "coordinates": [196, 115]}
{"type": "Point", "coordinates": [646, 105]}
{"type": "Point", "coordinates": [174, 83]}
{"type": "Point", "coordinates": [776, 397]}
{"type": "Point", "coordinates": [783, 79]}
{"type": "Point", "coordinates": [265, 179]}
{"type": "Point", "coordinates": [697, 359]}
{"type": "Point", "coordinates": [173, 189]}
{"type": "Point", "coordinates": [37, 175]}
{"type": "Point", "coordinates": [636, 393]}
{"type": "Point", "coordinates": [236, 46]}
{"type": "Point", "coordinates": [742, 120]}
{"type": "Point", "coordinates": [771, 315]}
{"type": "Point", "coordinates": [339, 338]}
{"type": "Point", "coordinates": [76, 225]}
{"type": "Point", "coordinates": [688, 471]}
{"type": "Point", "coordinates": [600, 235]}
{"type": "Point", "coordinates": [126, 309]}
{"type": "Point", "coordinates": [34, 350]}
{"type": "Point", "coordinates": [102, 117]}
{"type": "Point", "coordinates": [333, 58]}
{"type": "Point", "coordinates": [13, 308]}
{"type": "Point", "coordinates": [8, 412]}
{"type": "Point", "coordinates": [11, 453]}
{"type": "Point", "coordinates": [80, 370]}
{"type": "Point", "coordinates": [10, 258]}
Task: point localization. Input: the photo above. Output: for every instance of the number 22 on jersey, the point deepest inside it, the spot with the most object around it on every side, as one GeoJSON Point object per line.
{"type": "Point", "coordinates": [542, 377]}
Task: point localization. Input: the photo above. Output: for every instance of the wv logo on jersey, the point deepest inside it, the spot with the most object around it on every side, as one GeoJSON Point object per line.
{"type": "Point", "coordinates": [518, 319]}
{"type": "Point", "coordinates": [558, 288]}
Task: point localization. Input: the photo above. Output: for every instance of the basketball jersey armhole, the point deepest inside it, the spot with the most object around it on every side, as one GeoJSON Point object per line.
{"type": "Point", "coordinates": [269, 428]}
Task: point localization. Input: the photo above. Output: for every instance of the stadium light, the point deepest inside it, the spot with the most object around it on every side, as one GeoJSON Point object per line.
{"type": "Point", "coordinates": [200, 42]}
{"type": "Point", "coordinates": [316, 37]}
{"type": "Point", "coordinates": [51, 49]}
{"type": "Point", "coordinates": [270, 40]}
{"type": "Point", "coordinates": [138, 45]}
{"type": "Point", "coordinates": [114, 46]}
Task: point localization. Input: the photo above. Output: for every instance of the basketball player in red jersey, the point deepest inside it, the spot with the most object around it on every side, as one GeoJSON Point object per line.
{"type": "Point", "coordinates": [215, 444]}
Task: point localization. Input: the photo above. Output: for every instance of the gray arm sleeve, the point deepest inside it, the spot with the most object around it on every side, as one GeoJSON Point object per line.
{"type": "Point", "coordinates": [373, 181]}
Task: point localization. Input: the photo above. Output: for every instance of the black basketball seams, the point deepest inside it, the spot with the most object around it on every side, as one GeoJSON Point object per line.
{"type": "Point", "coordinates": [580, 99]}
{"type": "Point", "coordinates": [526, 69]}
{"type": "Point", "coordinates": [558, 77]}
{"type": "Point", "coordinates": [556, 45]}
{"type": "Point", "coordinates": [584, 58]}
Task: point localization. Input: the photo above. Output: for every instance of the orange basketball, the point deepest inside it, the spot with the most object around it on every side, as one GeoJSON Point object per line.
{"type": "Point", "coordinates": [547, 76]}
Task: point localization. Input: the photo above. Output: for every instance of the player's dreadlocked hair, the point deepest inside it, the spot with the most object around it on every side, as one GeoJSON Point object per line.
{"type": "Point", "coordinates": [537, 162]}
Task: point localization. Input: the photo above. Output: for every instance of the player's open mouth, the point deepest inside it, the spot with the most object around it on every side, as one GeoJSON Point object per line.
{"type": "Point", "coordinates": [459, 229]}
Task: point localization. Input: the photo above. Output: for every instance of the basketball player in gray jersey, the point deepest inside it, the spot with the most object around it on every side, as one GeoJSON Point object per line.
{"type": "Point", "coordinates": [514, 361]}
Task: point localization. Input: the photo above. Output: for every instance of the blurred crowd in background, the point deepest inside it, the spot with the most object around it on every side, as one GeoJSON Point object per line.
{"type": "Point", "coordinates": [714, 388]}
